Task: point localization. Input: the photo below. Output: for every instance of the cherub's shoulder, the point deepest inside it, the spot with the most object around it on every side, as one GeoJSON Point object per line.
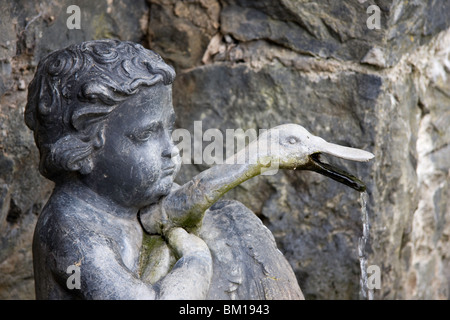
{"type": "Point", "coordinates": [62, 220]}
{"type": "Point", "coordinates": [60, 209]}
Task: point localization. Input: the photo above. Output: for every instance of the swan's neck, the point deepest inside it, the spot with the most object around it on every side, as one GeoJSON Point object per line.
{"type": "Point", "coordinates": [190, 201]}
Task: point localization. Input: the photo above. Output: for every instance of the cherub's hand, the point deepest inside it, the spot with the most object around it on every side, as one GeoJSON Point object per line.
{"type": "Point", "coordinates": [191, 276]}
{"type": "Point", "coordinates": [154, 218]}
{"type": "Point", "coordinates": [170, 211]}
{"type": "Point", "coordinates": [184, 243]}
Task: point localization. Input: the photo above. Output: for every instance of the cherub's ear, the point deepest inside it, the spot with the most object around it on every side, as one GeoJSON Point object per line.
{"type": "Point", "coordinates": [99, 138]}
{"type": "Point", "coordinates": [72, 154]}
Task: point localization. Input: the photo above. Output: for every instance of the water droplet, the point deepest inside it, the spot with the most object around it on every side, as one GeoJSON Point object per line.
{"type": "Point", "coordinates": [365, 292]}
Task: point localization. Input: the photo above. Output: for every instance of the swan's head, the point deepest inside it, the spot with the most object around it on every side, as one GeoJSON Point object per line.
{"type": "Point", "coordinates": [293, 147]}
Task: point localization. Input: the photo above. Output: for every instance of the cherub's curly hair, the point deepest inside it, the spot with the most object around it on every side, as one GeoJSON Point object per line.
{"type": "Point", "coordinates": [75, 88]}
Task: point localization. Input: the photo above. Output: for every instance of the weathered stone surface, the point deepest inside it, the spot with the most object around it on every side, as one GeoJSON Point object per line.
{"type": "Point", "coordinates": [181, 30]}
{"type": "Point", "coordinates": [256, 64]}
{"type": "Point", "coordinates": [427, 264]}
{"type": "Point", "coordinates": [326, 29]}
{"type": "Point", "coordinates": [317, 64]}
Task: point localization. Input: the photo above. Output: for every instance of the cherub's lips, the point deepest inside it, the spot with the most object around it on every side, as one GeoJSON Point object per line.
{"type": "Point", "coordinates": [168, 171]}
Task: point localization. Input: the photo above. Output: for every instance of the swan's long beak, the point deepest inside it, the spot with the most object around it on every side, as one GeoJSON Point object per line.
{"type": "Point", "coordinates": [319, 145]}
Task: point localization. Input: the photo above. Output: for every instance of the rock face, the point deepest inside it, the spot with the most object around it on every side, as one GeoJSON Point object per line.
{"type": "Point", "coordinates": [373, 75]}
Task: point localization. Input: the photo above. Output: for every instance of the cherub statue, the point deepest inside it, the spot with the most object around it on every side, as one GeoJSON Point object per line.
{"type": "Point", "coordinates": [102, 117]}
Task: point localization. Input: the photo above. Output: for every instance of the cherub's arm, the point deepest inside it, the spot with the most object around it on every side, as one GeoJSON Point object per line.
{"type": "Point", "coordinates": [104, 276]}
{"type": "Point", "coordinates": [191, 276]}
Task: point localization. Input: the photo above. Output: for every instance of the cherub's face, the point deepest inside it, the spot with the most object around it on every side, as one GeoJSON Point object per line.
{"type": "Point", "coordinates": [138, 161]}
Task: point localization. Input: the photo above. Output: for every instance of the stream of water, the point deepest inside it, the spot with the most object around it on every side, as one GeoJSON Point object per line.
{"type": "Point", "coordinates": [366, 293]}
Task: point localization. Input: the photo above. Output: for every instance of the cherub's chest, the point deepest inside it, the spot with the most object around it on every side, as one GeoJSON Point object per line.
{"type": "Point", "coordinates": [126, 238]}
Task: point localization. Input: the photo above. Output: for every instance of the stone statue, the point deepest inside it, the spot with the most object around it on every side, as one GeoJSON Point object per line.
{"type": "Point", "coordinates": [102, 117]}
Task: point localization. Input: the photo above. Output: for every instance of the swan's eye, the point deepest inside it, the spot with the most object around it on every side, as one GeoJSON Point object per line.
{"type": "Point", "coordinates": [292, 140]}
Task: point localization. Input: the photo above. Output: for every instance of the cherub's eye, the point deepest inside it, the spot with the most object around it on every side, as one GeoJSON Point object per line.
{"type": "Point", "coordinates": [144, 134]}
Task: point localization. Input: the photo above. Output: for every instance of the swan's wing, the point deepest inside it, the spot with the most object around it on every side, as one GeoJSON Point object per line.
{"type": "Point", "coordinates": [247, 263]}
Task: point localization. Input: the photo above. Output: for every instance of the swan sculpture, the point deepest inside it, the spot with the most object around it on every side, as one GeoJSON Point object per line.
{"type": "Point", "coordinates": [246, 262]}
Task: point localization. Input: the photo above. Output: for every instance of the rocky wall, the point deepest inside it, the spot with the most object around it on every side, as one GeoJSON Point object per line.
{"type": "Point", "coordinates": [326, 65]}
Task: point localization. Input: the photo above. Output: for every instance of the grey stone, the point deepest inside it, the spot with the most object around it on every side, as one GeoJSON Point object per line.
{"type": "Point", "coordinates": [375, 57]}
{"type": "Point", "coordinates": [400, 115]}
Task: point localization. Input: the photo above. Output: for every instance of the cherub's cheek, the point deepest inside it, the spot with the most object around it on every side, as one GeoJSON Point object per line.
{"type": "Point", "coordinates": [147, 172]}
